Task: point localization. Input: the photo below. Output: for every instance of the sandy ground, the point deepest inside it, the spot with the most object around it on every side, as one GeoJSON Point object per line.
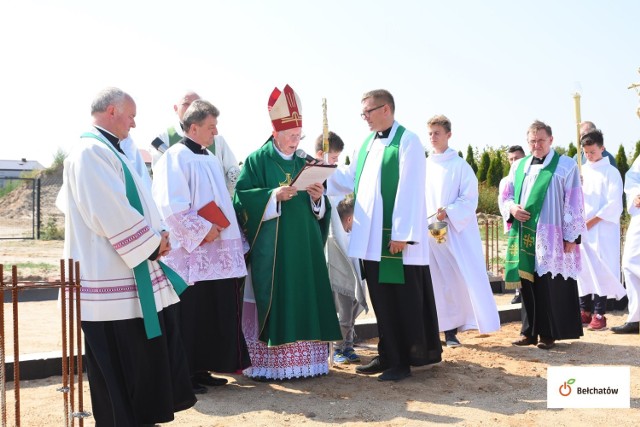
{"type": "Point", "coordinates": [487, 381]}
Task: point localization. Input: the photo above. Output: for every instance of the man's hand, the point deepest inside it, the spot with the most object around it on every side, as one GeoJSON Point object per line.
{"type": "Point", "coordinates": [315, 191]}
{"type": "Point", "coordinates": [519, 213]}
{"type": "Point", "coordinates": [593, 221]}
{"type": "Point", "coordinates": [285, 193]}
{"type": "Point", "coordinates": [569, 247]}
{"type": "Point", "coordinates": [442, 214]}
{"type": "Point", "coordinates": [165, 244]}
{"type": "Point", "coordinates": [395, 246]}
{"type": "Point", "coordinates": [213, 233]}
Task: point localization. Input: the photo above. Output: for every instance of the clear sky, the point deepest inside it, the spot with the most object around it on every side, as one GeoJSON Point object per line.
{"type": "Point", "coordinates": [491, 66]}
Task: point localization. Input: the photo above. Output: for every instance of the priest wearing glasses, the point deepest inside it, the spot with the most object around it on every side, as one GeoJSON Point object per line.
{"type": "Point", "coordinates": [389, 235]}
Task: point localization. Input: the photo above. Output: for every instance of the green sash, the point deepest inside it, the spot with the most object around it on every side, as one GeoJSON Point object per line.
{"type": "Point", "coordinates": [521, 247]}
{"type": "Point", "coordinates": [391, 266]}
{"type": "Point", "coordinates": [173, 136]}
{"type": "Point", "coordinates": [141, 271]}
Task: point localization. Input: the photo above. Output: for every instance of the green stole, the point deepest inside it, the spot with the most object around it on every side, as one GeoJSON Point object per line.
{"type": "Point", "coordinates": [174, 137]}
{"type": "Point", "coordinates": [521, 246]}
{"type": "Point", "coordinates": [391, 266]}
{"type": "Point", "coordinates": [141, 271]}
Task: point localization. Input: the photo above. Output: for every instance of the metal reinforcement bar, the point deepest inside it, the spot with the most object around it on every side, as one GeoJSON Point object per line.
{"type": "Point", "coordinates": [3, 372]}
{"type": "Point", "coordinates": [72, 375]}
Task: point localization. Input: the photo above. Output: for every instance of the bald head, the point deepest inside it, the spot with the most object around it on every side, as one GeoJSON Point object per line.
{"type": "Point", "coordinates": [586, 127]}
{"type": "Point", "coordinates": [184, 102]}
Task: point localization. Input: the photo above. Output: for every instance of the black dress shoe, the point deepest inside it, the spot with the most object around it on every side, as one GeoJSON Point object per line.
{"type": "Point", "coordinates": [525, 341]}
{"type": "Point", "coordinates": [373, 367]}
{"type": "Point", "coordinates": [627, 328]}
{"type": "Point", "coordinates": [395, 374]}
{"type": "Point", "coordinates": [546, 343]}
{"type": "Point", "coordinates": [208, 379]}
{"type": "Point", "coordinates": [517, 299]}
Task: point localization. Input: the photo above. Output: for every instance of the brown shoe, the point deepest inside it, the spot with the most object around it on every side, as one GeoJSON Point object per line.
{"type": "Point", "coordinates": [524, 340]}
{"type": "Point", "coordinates": [546, 343]}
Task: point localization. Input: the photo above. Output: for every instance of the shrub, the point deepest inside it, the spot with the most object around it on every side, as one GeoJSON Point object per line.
{"type": "Point", "coordinates": [488, 199]}
{"type": "Point", "coordinates": [9, 186]}
{"type": "Point", "coordinates": [51, 230]}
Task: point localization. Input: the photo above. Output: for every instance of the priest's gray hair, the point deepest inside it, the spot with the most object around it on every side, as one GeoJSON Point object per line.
{"type": "Point", "coordinates": [106, 97]}
{"type": "Point", "coordinates": [198, 111]}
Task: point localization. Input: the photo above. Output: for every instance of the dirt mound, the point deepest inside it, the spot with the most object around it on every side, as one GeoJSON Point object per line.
{"type": "Point", "coordinates": [17, 208]}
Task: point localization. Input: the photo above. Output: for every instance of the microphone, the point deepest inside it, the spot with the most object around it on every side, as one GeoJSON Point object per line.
{"type": "Point", "coordinates": [159, 145]}
{"type": "Point", "coordinates": [303, 155]}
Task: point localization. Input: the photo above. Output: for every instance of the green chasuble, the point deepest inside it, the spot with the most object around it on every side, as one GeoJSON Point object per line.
{"type": "Point", "coordinates": [287, 261]}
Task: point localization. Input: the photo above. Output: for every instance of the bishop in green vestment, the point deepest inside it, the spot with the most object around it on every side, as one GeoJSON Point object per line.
{"type": "Point", "coordinates": [286, 229]}
{"type": "Point", "coordinates": [289, 271]}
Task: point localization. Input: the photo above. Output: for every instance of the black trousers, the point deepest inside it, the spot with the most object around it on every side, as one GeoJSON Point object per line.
{"type": "Point", "coordinates": [211, 326]}
{"type": "Point", "coordinates": [134, 380]}
{"type": "Point", "coordinates": [407, 317]}
{"type": "Point", "coordinates": [551, 308]}
{"type": "Point", "coordinates": [594, 303]}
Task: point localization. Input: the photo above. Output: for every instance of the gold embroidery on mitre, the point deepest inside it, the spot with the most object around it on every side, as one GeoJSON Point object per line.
{"type": "Point", "coordinates": [291, 99]}
{"type": "Point", "coordinates": [295, 117]}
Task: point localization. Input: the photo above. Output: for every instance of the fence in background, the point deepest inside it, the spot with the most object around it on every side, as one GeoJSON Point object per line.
{"type": "Point", "coordinates": [27, 207]}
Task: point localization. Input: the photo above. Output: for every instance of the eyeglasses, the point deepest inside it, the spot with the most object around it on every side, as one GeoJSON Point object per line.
{"type": "Point", "coordinates": [367, 113]}
{"type": "Point", "coordinates": [537, 141]}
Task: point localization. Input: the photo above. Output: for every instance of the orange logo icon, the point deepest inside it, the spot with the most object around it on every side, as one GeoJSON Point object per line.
{"type": "Point", "coordinates": [565, 389]}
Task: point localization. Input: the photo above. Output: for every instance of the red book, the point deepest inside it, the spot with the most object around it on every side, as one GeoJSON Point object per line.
{"type": "Point", "coordinates": [212, 213]}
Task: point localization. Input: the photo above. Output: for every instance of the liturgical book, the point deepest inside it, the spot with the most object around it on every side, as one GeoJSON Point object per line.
{"type": "Point", "coordinates": [212, 213]}
{"type": "Point", "coordinates": [312, 174]}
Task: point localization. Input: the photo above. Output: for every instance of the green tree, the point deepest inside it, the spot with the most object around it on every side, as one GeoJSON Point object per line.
{"type": "Point", "coordinates": [572, 151]}
{"type": "Point", "coordinates": [621, 160]}
{"type": "Point", "coordinates": [506, 166]}
{"type": "Point", "coordinates": [471, 159]}
{"type": "Point", "coordinates": [561, 151]}
{"type": "Point", "coordinates": [636, 153]}
{"type": "Point", "coordinates": [347, 161]}
{"type": "Point", "coordinates": [496, 169]}
{"type": "Point", "coordinates": [460, 154]}
{"type": "Point", "coordinates": [485, 161]}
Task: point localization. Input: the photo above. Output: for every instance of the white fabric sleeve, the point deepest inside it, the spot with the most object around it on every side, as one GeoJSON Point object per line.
{"type": "Point", "coordinates": [318, 209]}
{"type": "Point", "coordinates": [273, 208]}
